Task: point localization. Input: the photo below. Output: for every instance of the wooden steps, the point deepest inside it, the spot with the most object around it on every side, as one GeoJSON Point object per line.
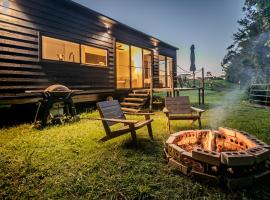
{"type": "Point", "coordinates": [134, 99]}
{"type": "Point", "coordinates": [131, 104]}
{"type": "Point", "coordinates": [135, 102]}
{"type": "Point", "coordinates": [130, 110]}
{"type": "Point", "coordinates": [139, 95]}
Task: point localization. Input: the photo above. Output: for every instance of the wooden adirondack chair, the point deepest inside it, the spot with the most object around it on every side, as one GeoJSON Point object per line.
{"type": "Point", "coordinates": [111, 114]}
{"type": "Point", "coordinates": [179, 108]}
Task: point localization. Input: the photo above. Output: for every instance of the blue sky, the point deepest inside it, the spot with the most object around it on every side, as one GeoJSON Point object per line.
{"type": "Point", "coordinates": [209, 24]}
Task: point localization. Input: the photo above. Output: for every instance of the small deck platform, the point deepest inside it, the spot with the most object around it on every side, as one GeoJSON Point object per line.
{"type": "Point", "coordinates": [172, 92]}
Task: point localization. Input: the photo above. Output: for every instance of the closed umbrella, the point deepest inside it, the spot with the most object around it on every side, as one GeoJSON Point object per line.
{"type": "Point", "coordinates": [192, 61]}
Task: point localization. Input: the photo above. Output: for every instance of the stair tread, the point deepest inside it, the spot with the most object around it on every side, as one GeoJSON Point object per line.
{"type": "Point", "coordinates": [138, 95]}
{"type": "Point", "coordinates": [135, 99]}
{"type": "Point", "coordinates": [131, 104]}
{"type": "Point", "coordinates": [131, 110]}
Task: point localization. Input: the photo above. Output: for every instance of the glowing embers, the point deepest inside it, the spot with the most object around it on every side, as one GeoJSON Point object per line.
{"type": "Point", "coordinates": [227, 156]}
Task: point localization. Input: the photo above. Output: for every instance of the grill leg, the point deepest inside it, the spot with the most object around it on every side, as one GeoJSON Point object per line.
{"type": "Point", "coordinates": [39, 105]}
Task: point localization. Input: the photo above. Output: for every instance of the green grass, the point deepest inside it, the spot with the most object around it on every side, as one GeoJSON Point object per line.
{"type": "Point", "coordinates": [69, 162]}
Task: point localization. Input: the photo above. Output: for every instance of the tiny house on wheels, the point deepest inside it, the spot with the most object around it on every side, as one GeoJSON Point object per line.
{"type": "Point", "coordinates": [43, 43]}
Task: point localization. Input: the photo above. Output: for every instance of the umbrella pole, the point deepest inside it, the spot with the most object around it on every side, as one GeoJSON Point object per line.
{"type": "Point", "coordinates": [194, 79]}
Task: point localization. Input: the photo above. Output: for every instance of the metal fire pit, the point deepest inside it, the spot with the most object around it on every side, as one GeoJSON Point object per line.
{"type": "Point", "coordinates": [230, 157]}
{"type": "Point", "coordinates": [56, 107]}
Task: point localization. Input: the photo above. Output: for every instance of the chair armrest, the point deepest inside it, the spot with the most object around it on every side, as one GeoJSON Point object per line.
{"type": "Point", "coordinates": [165, 110]}
{"type": "Point", "coordinates": [124, 121]}
{"type": "Point", "coordinates": [197, 110]}
{"type": "Point", "coordinates": [126, 113]}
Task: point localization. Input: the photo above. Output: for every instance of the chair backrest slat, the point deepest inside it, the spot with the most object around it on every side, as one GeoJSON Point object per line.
{"type": "Point", "coordinates": [111, 110]}
{"type": "Point", "coordinates": [178, 105]}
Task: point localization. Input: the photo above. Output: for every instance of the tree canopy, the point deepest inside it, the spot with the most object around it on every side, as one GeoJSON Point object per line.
{"type": "Point", "coordinates": [248, 58]}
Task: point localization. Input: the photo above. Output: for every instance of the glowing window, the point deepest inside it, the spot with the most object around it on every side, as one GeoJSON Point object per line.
{"type": "Point", "coordinates": [162, 71]}
{"type": "Point", "coordinates": [169, 71]}
{"type": "Point", "coordinates": [147, 65]}
{"type": "Point", "coordinates": [60, 50]}
{"type": "Point", "coordinates": [133, 66]}
{"type": "Point", "coordinates": [123, 65]}
{"type": "Point", "coordinates": [136, 67]}
{"type": "Point", "coordinates": [94, 56]}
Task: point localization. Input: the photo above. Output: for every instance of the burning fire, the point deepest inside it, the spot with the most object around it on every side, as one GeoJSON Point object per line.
{"type": "Point", "coordinates": [219, 155]}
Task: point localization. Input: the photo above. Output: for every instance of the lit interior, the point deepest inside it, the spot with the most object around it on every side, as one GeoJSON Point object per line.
{"type": "Point", "coordinates": [169, 71]}
{"type": "Point", "coordinates": [60, 50]}
{"type": "Point", "coordinates": [136, 74]}
{"type": "Point", "coordinates": [147, 64]}
{"type": "Point", "coordinates": [162, 71]}
{"type": "Point", "coordinates": [94, 56]}
{"type": "Point", "coordinates": [136, 67]}
{"type": "Point", "coordinates": [122, 65]}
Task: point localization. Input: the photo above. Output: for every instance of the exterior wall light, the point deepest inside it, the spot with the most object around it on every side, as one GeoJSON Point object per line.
{"type": "Point", "coordinates": [109, 30]}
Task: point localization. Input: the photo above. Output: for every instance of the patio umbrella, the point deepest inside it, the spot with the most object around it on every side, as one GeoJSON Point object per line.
{"type": "Point", "coordinates": [192, 60]}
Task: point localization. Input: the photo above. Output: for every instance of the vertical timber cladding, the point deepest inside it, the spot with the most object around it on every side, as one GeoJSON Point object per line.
{"type": "Point", "coordinates": [23, 22]}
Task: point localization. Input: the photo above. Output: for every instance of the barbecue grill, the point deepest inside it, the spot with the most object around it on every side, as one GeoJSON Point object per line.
{"type": "Point", "coordinates": [56, 106]}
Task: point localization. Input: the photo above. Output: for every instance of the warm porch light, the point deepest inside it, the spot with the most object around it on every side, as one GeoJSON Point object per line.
{"type": "Point", "coordinates": [108, 28]}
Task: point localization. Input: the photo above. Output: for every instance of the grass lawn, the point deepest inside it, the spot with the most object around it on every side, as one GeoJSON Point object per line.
{"type": "Point", "coordinates": [69, 162]}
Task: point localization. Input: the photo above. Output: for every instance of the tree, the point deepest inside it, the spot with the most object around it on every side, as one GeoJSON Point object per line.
{"type": "Point", "coordinates": [248, 58]}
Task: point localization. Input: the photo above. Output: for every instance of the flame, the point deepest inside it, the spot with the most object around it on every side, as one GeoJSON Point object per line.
{"type": "Point", "coordinates": [211, 144]}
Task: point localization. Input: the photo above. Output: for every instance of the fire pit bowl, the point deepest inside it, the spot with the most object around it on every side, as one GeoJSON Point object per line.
{"type": "Point", "coordinates": [234, 158]}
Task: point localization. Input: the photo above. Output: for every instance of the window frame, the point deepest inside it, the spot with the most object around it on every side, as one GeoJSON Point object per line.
{"type": "Point", "coordinates": [130, 45]}
{"type": "Point", "coordinates": [91, 64]}
{"type": "Point", "coordinates": [41, 59]}
{"type": "Point", "coordinates": [151, 67]}
{"type": "Point", "coordinates": [116, 66]}
{"type": "Point", "coordinates": [167, 72]}
{"type": "Point", "coordinates": [131, 66]}
{"type": "Point", "coordinates": [59, 61]}
{"type": "Point", "coordinates": [159, 70]}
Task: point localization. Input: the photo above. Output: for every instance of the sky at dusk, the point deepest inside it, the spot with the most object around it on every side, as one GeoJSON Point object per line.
{"type": "Point", "coordinates": [208, 24]}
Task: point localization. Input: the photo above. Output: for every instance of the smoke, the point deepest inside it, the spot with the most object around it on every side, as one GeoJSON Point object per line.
{"type": "Point", "coordinates": [256, 59]}
{"type": "Point", "coordinates": [250, 62]}
{"type": "Point", "coordinates": [226, 106]}
{"type": "Point", "coordinates": [220, 111]}
{"type": "Point", "coordinates": [256, 69]}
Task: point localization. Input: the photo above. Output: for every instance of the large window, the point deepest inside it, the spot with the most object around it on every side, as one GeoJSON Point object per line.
{"type": "Point", "coordinates": [123, 65]}
{"type": "Point", "coordinates": [165, 71]}
{"type": "Point", "coordinates": [133, 66]}
{"type": "Point", "coordinates": [162, 71]}
{"type": "Point", "coordinates": [136, 67]}
{"type": "Point", "coordinates": [147, 65]}
{"type": "Point", "coordinates": [169, 71]}
{"type": "Point", "coordinates": [94, 55]}
{"type": "Point", "coordinates": [60, 50]}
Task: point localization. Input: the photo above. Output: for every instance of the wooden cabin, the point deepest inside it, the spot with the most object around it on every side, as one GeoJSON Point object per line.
{"type": "Point", "coordinates": [61, 42]}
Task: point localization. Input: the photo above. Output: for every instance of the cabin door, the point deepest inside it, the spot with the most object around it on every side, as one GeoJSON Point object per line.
{"type": "Point", "coordinates": [147, 68]}
{"type": "Point", "coordinates": [123, 73]}
{"type": "Point", "coordinates": [133, 67]}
